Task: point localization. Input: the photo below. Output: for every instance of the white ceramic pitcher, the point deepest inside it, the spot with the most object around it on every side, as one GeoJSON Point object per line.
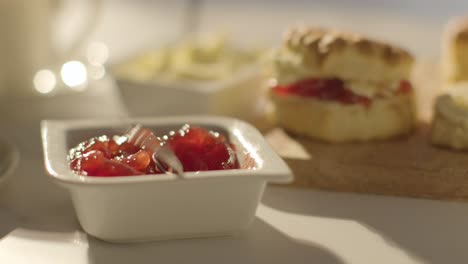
{"type": "Point", "coordinates": [26, 34]}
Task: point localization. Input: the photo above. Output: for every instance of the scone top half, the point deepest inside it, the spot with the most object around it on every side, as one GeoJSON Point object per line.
{"type": "Point", "coordinates": [367, 67]}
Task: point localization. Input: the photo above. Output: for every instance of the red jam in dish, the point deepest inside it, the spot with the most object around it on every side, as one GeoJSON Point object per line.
{"type": "Point", "coordinates": [332, 89]}
{"type": "Point", "coordinates": [201, 150]}
{"type": "Point", "coordinates": [197, 148]}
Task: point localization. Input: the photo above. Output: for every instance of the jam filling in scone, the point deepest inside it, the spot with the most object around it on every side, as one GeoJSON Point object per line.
{"type": "Point", "coordinates": [335, 90]}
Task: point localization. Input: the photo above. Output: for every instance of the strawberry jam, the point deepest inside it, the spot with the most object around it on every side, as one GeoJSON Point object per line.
{"type": "Point", "coordinates": [332, 89]}
{"type": "Point", "coordinates": [201, 150]}
{"type": "Point", "coordinates": [197, 148]}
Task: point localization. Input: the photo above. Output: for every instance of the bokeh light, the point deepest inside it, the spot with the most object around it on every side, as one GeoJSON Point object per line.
{"type": "Point", "coordinates": [96, 72]}
{"type": "Point", "coordinates": [45, 81]}
{"type": "Point", "coordinates": [97, 53]}
{"type": "Point", "coordinates": [74, 74]}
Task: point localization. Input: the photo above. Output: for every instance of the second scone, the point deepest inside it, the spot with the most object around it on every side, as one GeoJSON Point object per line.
{"type": "Point", "coordinates": [450, 122]}
{"type": "Point", "coordinates": [341, 87]}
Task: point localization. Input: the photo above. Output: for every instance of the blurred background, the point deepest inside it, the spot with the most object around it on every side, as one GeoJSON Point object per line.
{"type": "Point", "coordinates": [126, 25]}
{"type": "Point", "coordinates": [45, 34]}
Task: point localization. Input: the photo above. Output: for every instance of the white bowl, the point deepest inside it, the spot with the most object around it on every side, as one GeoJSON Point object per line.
{"type": "Point", "coordinates": [237, 96]}
{"type": "Point", "coordinates": [154, 207]}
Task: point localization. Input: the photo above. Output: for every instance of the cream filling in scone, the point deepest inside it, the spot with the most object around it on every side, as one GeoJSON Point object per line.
{"type": "Point", "coordinates": [341, 87]}
{"type": "Point", "coordinates": [450, 123]}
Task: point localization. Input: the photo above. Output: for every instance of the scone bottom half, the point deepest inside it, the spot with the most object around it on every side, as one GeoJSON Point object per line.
{"type": "Point", "coordinates": [338, 123]}
{"type": "Point", "coordinates": [342, 87]}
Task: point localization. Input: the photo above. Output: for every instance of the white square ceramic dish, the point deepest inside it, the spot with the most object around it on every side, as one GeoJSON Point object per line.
{"type": "Point", "coordinates": [237, 96]}
{"type": "Point", "coordinates": [153, 207]}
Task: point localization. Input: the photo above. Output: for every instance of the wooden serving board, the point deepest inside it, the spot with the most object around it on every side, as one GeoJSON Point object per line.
{"type": "Point", "coordinates": [406, 166]}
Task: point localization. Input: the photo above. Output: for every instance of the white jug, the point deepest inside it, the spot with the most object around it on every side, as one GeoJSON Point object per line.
{"type": "Point", "coordinates": [26, 35]}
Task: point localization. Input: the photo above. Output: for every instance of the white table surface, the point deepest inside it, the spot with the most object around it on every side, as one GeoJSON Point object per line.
{"type": "Point", "coordinates": [38, 224]}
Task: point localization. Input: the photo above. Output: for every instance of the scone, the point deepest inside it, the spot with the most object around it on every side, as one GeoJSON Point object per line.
{"type": "Point", "coordinates": [450, 123]}
{"type": "Point", "coordinates": [341, 87]}
{"type": "Point", "coordinates": [455, 51]}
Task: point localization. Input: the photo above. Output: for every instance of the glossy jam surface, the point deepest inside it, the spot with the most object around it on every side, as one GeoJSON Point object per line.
{"type": "Point", "coordinates": [197, 148]}
{"type": "Point", "coordinates": [330, 90]}
{"type": "Point", "coordinates": [202, 150]}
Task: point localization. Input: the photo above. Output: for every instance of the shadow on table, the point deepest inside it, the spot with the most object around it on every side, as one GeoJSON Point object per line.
{"type": "Point", "coordinates": [429, 230]}
{"type": "Point", "coordinates": [261, 244]}
{"type": "Point", "coordinates": [30, 200]}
